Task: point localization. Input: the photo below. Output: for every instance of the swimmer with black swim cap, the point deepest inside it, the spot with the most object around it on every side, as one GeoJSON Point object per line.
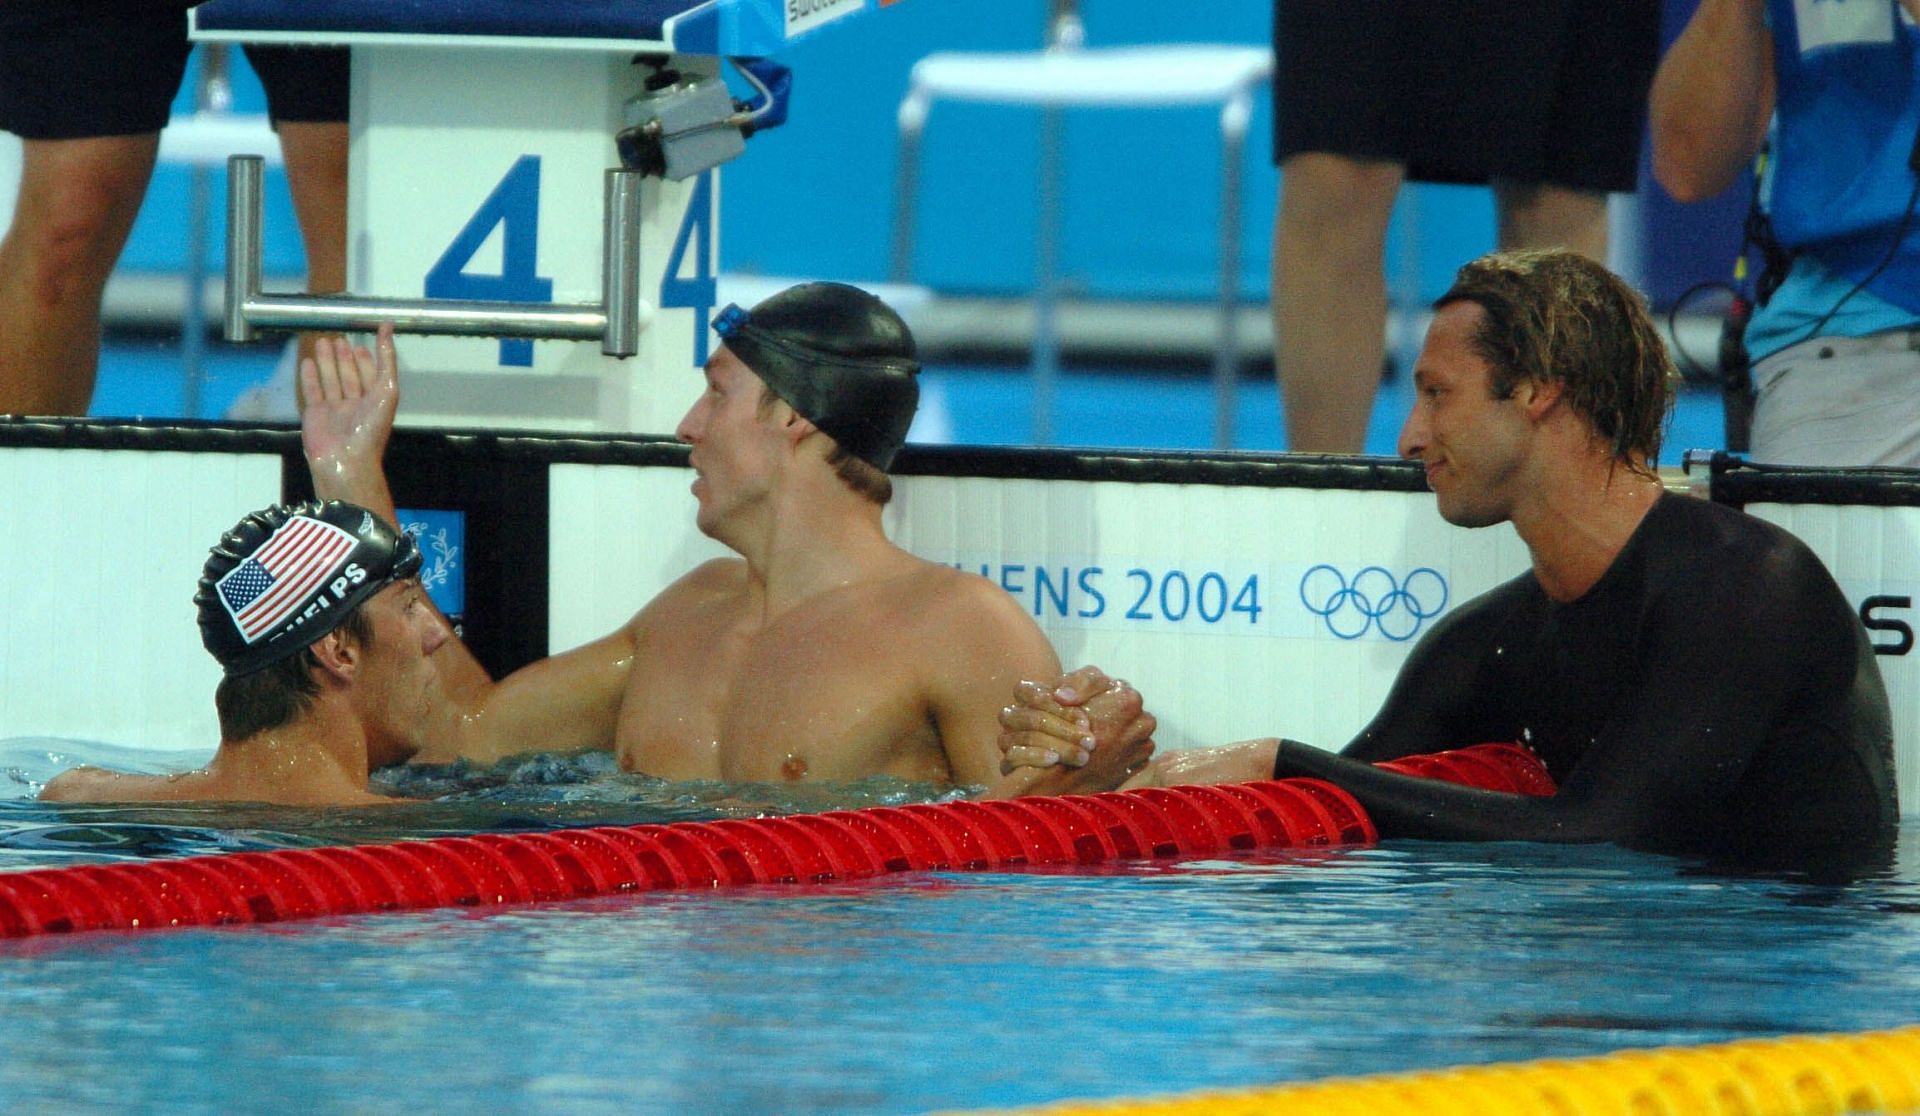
{"type": "Point", "coordinates": [316, 616]}
{"type": "Point", "coordinates": [821, 650]}
{"type": "Point", "coordinates": [839, 356]}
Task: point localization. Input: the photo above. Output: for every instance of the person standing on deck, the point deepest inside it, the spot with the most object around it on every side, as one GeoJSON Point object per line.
{"type": "Point", "coordinates": [1692, 677]}
{"type": "Point", "coordinates": [823, 651]}
{"type": "Point", "coordinates": [87, 86]}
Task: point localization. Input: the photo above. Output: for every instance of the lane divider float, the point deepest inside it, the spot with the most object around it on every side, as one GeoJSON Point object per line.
{"type": "Point", "coordinates": [494, 869]}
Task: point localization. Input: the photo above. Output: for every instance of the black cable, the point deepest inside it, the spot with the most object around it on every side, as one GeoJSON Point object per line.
{"type": "Point", "coordinates": [1893, 249]}
{"type": "Point", "coordinates": [1692, 371]}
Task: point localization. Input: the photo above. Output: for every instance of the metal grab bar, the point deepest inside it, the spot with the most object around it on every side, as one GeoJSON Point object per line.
{"type": "Point", "coordinates": [614, 321]}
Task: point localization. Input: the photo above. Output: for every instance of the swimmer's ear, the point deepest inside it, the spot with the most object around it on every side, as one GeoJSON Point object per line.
{"type": "Point", "coordinates": [1539, 396]}
{"type": "Point", "coordinates": [338, 654]}
{"type": "Point", "coordinates": [797, 426]}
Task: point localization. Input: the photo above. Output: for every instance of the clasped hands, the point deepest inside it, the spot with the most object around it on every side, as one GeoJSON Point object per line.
{"type": "Point", "coordinates": [1085, 721]}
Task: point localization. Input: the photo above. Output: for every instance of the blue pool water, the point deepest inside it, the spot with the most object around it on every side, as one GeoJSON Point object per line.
{"type": "Point", "coordinates": [922, 991]}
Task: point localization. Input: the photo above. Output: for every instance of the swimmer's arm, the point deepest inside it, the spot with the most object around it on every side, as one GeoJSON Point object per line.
{"type": "Point", "coordinates": [1675, 746]}
{"type": "Point", "coordinates": [99, 784]}
{"type": "Point", "coordinates": [1443, 696]}
{"type": "Point", "coordinates": [977, 658]}
{"type": "Point", "coordinates": [1241, 762]}
{"type": "Point", "coordinates": [349, 397]}
{"type": "Point", "coordinates": [1712, 98]}
{"type": "Point", "coordinates": [564, 702]}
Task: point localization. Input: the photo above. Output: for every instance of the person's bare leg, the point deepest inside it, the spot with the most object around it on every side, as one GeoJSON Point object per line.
{"type": "Point", "coordinates": [1330, 295]}
{"type": "Point", "coordinates": [316, 156]}
{"type": "Point", "coordinates": [1535, 216]}
{"type": "Point", "coordinates": [78, 199]}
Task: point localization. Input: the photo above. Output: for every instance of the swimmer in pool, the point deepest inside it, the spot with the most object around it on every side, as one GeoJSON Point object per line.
{"type": "Point", "coordinates": [822, 652]}
{"type": "Point", "coordinates": [1692, 677]}
{"type": "Point", "coordinates": [318, 619]}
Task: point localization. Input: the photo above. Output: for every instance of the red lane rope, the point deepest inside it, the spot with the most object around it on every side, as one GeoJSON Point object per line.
{"type": "Point", "coordinates": [491, 869]}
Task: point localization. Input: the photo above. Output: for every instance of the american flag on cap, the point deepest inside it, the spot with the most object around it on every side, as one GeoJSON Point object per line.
{"type": "Point", "coordinates": [275, 581]}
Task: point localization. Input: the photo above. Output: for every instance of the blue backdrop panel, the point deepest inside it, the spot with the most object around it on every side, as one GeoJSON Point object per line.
{"type": "Point", "coordinates": [815, 197]}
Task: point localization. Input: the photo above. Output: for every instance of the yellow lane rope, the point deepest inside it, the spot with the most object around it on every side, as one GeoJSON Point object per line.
{"type": "Point", "coordinates": [1814, 1075]}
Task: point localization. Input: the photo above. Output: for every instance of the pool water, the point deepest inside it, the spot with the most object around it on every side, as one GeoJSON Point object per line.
{"type": "Point", "coordinates": [919, 991]}
{"type": "Point", "coordinates": [530, 792]}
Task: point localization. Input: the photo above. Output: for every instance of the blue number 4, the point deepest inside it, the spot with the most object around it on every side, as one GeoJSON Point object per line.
{"type": "Point", "coordinates": [514, 206]}
{"type": "Point", "coordinates": [697, 293]}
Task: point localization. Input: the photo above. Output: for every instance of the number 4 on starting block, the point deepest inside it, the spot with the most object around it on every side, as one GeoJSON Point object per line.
{"type": "Point", "coordinates": [514, 208]}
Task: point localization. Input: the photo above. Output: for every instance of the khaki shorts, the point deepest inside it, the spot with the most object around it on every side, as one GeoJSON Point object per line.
{"type": "Point", "coordinates": [1840, 401]}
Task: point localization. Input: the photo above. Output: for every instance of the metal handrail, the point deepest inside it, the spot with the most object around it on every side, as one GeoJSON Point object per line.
{"type": "Point", "coordinates": [614, 321]}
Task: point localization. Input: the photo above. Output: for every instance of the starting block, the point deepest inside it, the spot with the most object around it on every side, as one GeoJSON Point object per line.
{"type": "Point", "coordinates": [541, 282]}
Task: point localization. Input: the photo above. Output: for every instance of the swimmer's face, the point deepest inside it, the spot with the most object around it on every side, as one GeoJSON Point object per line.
{"type": "Point", "coordinates": [735, 442]}
{"type": "Point", "coordinates": [397, 690]}
{"type": "Point", "coordinates": [1472, 444]}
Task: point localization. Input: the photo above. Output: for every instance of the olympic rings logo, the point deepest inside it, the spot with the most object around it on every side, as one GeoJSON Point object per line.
{"type": "Point", "coordinates": [1373, 599]}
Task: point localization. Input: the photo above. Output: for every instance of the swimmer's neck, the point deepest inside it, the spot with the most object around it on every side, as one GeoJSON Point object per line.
{"type": "Point", "coordinates": [1578, 520]}
{"type": "Point", "coordinates": [318, 758]}
{"type": "Point", "coordinates": [811, 543]}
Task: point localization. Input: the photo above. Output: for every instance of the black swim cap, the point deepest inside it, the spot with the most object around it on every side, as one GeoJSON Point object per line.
{"type": "Point", "coordinates": [286, 576]}
{"type": "Point", "coordinates": [837, 355]}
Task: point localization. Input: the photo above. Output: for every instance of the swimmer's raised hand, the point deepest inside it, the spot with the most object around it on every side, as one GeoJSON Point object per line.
{"type": "Point", "coordinates": [349, 397]}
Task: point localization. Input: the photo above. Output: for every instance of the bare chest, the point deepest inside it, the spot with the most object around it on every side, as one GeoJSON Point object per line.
{"type": "Point", "coordinates": [821, 696]}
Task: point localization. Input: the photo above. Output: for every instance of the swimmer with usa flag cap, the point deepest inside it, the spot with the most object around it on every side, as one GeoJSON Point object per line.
{"type": "Point", "coordinates": [316, 615]}
{"type": "Point", "coordinates": [820, 651]}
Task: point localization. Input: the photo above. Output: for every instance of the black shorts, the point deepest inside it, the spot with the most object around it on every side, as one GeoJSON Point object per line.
{"type": "Point", "coordinates": [1532, 91]}
{"type": "Point", "coordinates": [71, 69]}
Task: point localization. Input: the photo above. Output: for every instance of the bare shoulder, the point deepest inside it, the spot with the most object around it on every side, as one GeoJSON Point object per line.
{"type": "Point", "coordinates": [97, 784]}
{"type": "Point", "coordinates": [76, 784]}
{"type": "Point", "coordinates": [711, 582]}
{"type": "Point", "coordinates": [961, 601]}
{"type": "Point", "coordinates": [714, 577]}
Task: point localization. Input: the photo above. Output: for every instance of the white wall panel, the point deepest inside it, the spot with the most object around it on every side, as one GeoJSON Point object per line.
{"type": "Point", "coordinates": [99, 554]}
{"type": "Point", "coordinates": [618, 534]}
{"type": "Point", "coordinates": [99, 550]}
{"type": "Point", "coordinates": [1212, 671]}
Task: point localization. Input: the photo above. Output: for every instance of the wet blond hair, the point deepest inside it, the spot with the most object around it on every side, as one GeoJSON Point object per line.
{"type": "Point", "coordinates": [1556, 316]}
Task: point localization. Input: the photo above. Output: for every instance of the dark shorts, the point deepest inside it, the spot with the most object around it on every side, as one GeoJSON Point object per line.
{"type": "Point", "coordinates": [1532, 91]}
{"type": "Point", "coordinates": [71, 69]}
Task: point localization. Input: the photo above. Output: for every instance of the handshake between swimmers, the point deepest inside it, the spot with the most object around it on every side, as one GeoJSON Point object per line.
{"type": "Point", "coordinates": [823, 651]}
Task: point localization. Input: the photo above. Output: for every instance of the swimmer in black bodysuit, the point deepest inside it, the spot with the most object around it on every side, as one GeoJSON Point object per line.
{"type": "Point", "coordinates": [1712, 693]}
{"type": "Point", "coordinates": [1693, 678]}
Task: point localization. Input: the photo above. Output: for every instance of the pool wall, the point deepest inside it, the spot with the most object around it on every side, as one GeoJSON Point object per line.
{"type": "Point", "coordinates": [1245, 594]}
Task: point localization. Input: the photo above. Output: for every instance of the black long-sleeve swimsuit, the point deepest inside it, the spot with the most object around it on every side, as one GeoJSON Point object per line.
{"type": "Point", "coordinates": [1712, 693]}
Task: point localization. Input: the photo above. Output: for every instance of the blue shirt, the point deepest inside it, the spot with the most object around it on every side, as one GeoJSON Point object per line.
{"type": "Point", "coordinates": [1846, 117]}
